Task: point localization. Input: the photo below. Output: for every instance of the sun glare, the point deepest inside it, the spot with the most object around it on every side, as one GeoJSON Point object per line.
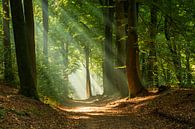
{"type": "Point", "coordinates": [71, 31]}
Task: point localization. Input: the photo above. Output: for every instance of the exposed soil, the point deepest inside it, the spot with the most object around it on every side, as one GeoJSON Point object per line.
{"type": "Point", "coordinates": [171, 110]}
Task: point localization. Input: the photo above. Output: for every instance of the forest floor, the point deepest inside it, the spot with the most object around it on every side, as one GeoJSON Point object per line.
{"type": "Point", "coordinates": [171, 110]}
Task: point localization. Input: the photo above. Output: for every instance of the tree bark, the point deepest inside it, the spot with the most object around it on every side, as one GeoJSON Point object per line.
{"type": "Point", "coordinates": [87, 57]}
{"type": "Point", "coordinates": [121, 39]}
{"type": "Point", "coordinates": [8, 70]}
{"type": "Point", "coordinates": [23, 27]}
{"type": "Point", "coordinates": [108, 66]}
{"type": "Point", "coordinates": [29, 22]}
{"type": "Point", "coordinates": [152, 61]}
{"type": "Point", "coordinates": [45, 30]}
{"type": "Point", "coordinates": [88, 80]}
{"type": "Point", "coordinates": [143, 63]}
{"type": "Point", "coordinates": [188, 68]}
{"type": "Point", "coordinates": [174, 52]}
{"type": "Point", "coordinates": [134, 83]}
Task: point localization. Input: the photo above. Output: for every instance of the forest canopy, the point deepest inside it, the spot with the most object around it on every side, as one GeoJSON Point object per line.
{"type": "Point", "coordinates": [74, 49]}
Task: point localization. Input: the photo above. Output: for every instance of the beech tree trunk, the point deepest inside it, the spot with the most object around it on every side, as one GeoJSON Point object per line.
{"type": "Point", "coordinates": [87, 57]}
{"type": "Point", "coordinates": [134, 83]}
{"type": "Point", "coordinates": [174, 51]}
{"type": "Point", "coordinates": [152, 61]}
{"type": "Point", "coordinates": [88, 80]}
{"type": "Point", "coordinates": [8, 73]}
{"type": "Point", "coordinates": [188, 68]}
{"type": "Point", "coordinates": [108, 66]}
{"type": "Point", "coordinates": [121, 39]}
{"type": "Point", "coordinates": [45, 30]}
{"type": "Point", "coordinates": [23, 27]}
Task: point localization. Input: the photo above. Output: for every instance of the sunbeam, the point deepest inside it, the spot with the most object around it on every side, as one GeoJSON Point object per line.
{"type": "Point", "coordinates": [97, 64]}
{"type": "Point", "coordinates": [66, 51]}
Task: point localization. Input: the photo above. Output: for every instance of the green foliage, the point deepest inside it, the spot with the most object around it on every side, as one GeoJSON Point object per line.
{"type": "Point", "coordinates": [181, 29]}
{"type": "Point", "coordinates": [1, 61]}
{"type": "Point", "coordinates": [1, 41]}
{"type": "Point", "coordinates": [51, 83]}
{"type": "Point", "coordinates": [75, 24]}
{"type": "Point", "coordinates": [72, 26]}
{"type": "Point", "coordinates": [2, 112]}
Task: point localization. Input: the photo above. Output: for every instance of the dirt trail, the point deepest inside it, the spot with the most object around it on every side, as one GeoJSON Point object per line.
{"type": "Point", "coordinates": [173, 109]}
{"type": "Point", "coordinates": [166, 110]}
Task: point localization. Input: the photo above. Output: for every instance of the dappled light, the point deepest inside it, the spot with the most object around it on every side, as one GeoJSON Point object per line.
{"type": "Point", "coordinates": [97, 64]}
{"type": "Point", "coordinates": [70, 37]}
{"type": "Point", "coordinates": [77, 82]}
{"type": "Point", "coordinates": [109, 106]}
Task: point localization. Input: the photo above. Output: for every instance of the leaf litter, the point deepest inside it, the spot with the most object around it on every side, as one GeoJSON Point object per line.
{"type": "Point", "coordinates": [172, 109]}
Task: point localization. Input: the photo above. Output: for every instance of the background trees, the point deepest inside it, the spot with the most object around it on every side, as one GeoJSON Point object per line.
{"type": "Point", "coordinates": [8, 71]}
{"type": "Point", "coordinates": [87, 41]}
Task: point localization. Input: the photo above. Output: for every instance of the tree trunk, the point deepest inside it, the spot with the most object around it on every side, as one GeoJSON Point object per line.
{"type": "Point", "coordinates": [188, 68]}
{"type": "Point", "coordinates": [23, 27]}
{"type": "Point", "coordinates": [8, 73]}
{"type": "Point", "coordinates": [152, 71]}
{"type": "Point", "coordinates": [143, 63]}
{"type": "Point", "coordinates": [87, 57]}
{"type": "Point", "coordinates": [88, 80]}
{"type": "Point", "coordinates": [29, 22]}
{"type": "Point", "coordinates": [121, 39]}
{"type": "Point", "coordinates": [108, 66]}
{"type": "Point", "coordinates": [134, 83]}
{"type": "Point", "coordinates": [45, 30]}
{"type": "Point", "coordinates": [174, 52]}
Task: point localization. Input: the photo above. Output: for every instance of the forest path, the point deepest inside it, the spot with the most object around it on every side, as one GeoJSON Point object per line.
{"type": "Point", "coordinates": [174, 109]}
{"type": "Point", "coordinates": [166, 110]}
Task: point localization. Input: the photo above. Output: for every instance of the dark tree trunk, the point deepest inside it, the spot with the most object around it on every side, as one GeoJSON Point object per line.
{"type": "Point", "coordinates": [108, 66]}
{"type": "Point", "coordinates": [152, 61]}
{"type": "Point", "coordinates": [174, 52]}
{"type": "Point", "coordinates": [143, 63]}
{"type": "Point", "coordinates": [135, 86]}
{"type": "Point", "coordinates": [137, 48]}
{"type": "Point", "coordinates": [45, 30]}
{"type": "Point", "coordinates": [188, 68]}
{"type": "Point", "coordinates": [121, 39]}
{"type": "Point", "coordinates": [8, 73]}
{"type": "Point", "coordinates": [30, 32]}
{"type": "Point", "coordinates": [23, 27]}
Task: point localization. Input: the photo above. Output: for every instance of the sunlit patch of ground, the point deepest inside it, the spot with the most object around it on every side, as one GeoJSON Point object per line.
{"type": "Point", "coordinates": [172, 109]}
{"type": "Point", "coordinates": [109, 106]}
